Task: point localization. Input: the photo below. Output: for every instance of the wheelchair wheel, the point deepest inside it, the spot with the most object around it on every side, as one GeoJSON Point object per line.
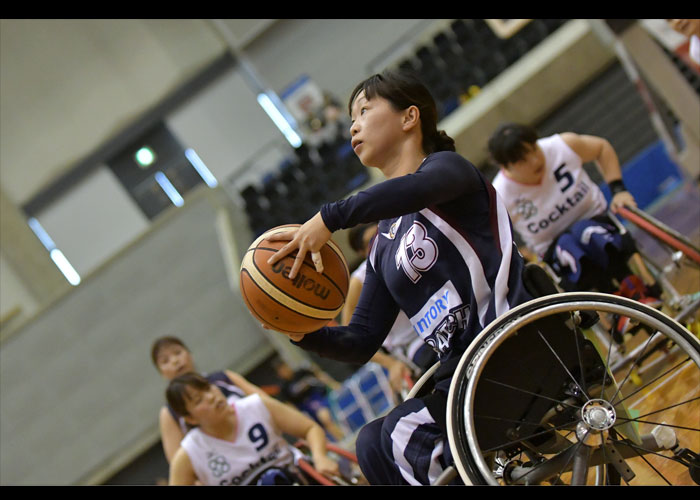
{"type": "Point", "coordinates": [535, 400]}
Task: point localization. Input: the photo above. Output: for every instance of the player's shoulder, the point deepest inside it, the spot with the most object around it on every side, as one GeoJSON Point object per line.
{"type": "Point", "coordinates": [448, 160]}
{"type": "Point", "coordinates": [446, 156]}
{"type": "Point", "coordinates": [250, 400]}
{"type": "Point", "coordinates": [500, 179]}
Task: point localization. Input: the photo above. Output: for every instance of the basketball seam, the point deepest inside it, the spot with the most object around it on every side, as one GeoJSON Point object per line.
{"type": "Point", "coordinates": [276, 292]}
{"type": "Point", "coordinates": [331, 244]}
{"type": "Point", "coordinates": [304, 263]}
{"type": "Point", "coordinates": [260, 318]}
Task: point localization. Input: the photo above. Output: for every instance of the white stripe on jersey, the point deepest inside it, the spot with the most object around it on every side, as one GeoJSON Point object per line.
{"type": "Point", "coordinates": [436, 468]}
{"type": "Point", "coordinates": [506, 242]}
{"type": "Point", "coordinates": [400, 437]}
{"type": "Point", "coordinates": [481, 288]}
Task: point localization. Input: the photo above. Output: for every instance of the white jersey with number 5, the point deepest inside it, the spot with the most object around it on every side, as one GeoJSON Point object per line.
{"type": "Point", "coordinates": [566, 194]}
{"type": "Point", "coordinates": [258, 446]}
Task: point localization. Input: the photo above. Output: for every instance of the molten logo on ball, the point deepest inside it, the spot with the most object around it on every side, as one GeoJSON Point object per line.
{"type": "Point", "coordinates": [302, 281]}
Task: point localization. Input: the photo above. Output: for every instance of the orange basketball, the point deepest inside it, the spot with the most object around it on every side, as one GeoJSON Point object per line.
{"type": "Point", "coordinates": [300, 305]}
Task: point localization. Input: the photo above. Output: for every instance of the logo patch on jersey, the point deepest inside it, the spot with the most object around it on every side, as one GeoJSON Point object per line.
{"type": "Point", "coordinates": [525, 207]}
{"type": "Point", "coordinates": [417, 252]}
{"type": "Point", "coordinates": [441, 317]}
{"type": "Point", "coordinates": [218, 465]}
{"type": "Point", "coordinates": [392, 230]}
{"type": "Point", "coordinates": [263, 461]}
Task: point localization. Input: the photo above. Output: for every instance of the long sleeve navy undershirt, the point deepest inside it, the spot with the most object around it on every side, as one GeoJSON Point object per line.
{"type": "Point", "coordinates": [441, 178]}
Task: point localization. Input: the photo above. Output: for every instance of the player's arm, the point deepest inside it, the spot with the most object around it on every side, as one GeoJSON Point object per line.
{"type": "Point", "coordinates": [599, 151]}
{"type": "Point", "coordinates": [442, 179]}
{"type": "Point", "coordinates": [291, 421]}
{"type": "Point", "coordinates": [170, 433]}
{"type": "Point", "coordinates": [357, 342]}
{"type": "Point", "coordinates": [181, 470]}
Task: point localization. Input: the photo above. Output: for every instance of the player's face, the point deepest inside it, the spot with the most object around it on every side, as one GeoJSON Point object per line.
{"type": "Point", "coordinates": [530, 168]}
{"type": "Point", "coordinates": [206, 406]}
{"type": "Point", "coordinates": [174, 360]}
{"type": "Point", "coordinates": [376, 130]}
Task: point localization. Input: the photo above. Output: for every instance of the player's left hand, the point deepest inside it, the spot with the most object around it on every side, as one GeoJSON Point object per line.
{"type": "Point", "coordinates": [622, 199]}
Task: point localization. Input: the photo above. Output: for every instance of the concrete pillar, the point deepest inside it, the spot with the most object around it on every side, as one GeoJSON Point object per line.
{"type": "Point", "coordinates": [27, 256]}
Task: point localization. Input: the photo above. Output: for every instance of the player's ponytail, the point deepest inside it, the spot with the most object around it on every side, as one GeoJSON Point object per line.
{"type": "Point", "coordinates": [441, 142]}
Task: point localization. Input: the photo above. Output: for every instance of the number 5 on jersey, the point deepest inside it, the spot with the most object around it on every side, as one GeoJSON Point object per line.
{"type": "Point", "coordinates": [560, 174]}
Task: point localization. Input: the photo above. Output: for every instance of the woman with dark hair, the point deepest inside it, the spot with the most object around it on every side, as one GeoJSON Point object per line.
{"type": "Point", "coordinates": [238, 441]}
{"type": "Point", "coordinates": [172, 357]}
{"type": "Point", "coordinates": [444, 255]}
{"type": "Point", "coordinates": [562, 215]}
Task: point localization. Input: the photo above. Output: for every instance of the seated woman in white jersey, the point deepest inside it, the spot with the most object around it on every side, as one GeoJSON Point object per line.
{"type": "Point", "coordinates": [239, 441]}
{"type": "Point", "coordinates": [172, 357]}
{"type": "Point", "coordinates": [561, 214]}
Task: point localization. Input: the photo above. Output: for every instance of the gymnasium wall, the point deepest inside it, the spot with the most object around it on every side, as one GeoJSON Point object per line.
{"type": "Point", "coordinates": [79, 395]}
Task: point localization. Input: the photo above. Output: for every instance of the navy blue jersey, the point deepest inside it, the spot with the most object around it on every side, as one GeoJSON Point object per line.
{"type": "Point", "coordinates": [444, 254]}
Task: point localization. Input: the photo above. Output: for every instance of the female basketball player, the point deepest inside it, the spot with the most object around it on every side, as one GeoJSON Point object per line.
{"type": "Point", "coordinates": [559, 212]}
{"type": "Point", "coordinates": [444, 254]}
{"type": "Point", "coordinates": [236, 441]}
{"type": "Point", "coordinates": [171, 357]}
{"type": "Point", "coordinates": [403, 353]}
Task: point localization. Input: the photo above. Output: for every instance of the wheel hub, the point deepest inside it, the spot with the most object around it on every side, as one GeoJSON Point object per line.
{"type": "Point", "coordinates": [598, 415]}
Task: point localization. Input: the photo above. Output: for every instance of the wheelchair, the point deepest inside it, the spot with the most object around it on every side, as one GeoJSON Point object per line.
{"type": "Point", "coordinates": [535, 400]}
{"type": "Point", "coordinates": [683, 256]}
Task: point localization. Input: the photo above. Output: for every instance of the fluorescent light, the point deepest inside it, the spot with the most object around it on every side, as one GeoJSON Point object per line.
{"type": "Point", "coordinates": [56, 255]}
{"type": "Point", "coordinates": [169, 189]}
{"type": "Point", "coordinates": [41, 234]}
{"type": "Point", "coordinates": [65, 267]}
{"type": "Point", "coordinates": [282, 123]}
{"type": "Point", "coordinates": [201, 168]}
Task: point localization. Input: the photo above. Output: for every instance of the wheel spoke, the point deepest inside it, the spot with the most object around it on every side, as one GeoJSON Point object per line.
{"type": "Point", "coordinates": [562, 364]}
{"type": "Point", "coordinates": [509, 420]}
{"type": "Point", "coordinates": [651, 382]}
{"type": "Point", "coordinates": [632, 366]}
{"type": "Point", "coordinates": [662, 424]}
{"type": "Point", "coordinates": [670, 407]}
{"type": "Point", "coordinates": [604, 448]}
{"type": "Point", "coordinates": [637, 450]}
{"type": "Point", "coordinates": [525, 438]}
{"type": "Point", "coordinates": [525, 391]}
